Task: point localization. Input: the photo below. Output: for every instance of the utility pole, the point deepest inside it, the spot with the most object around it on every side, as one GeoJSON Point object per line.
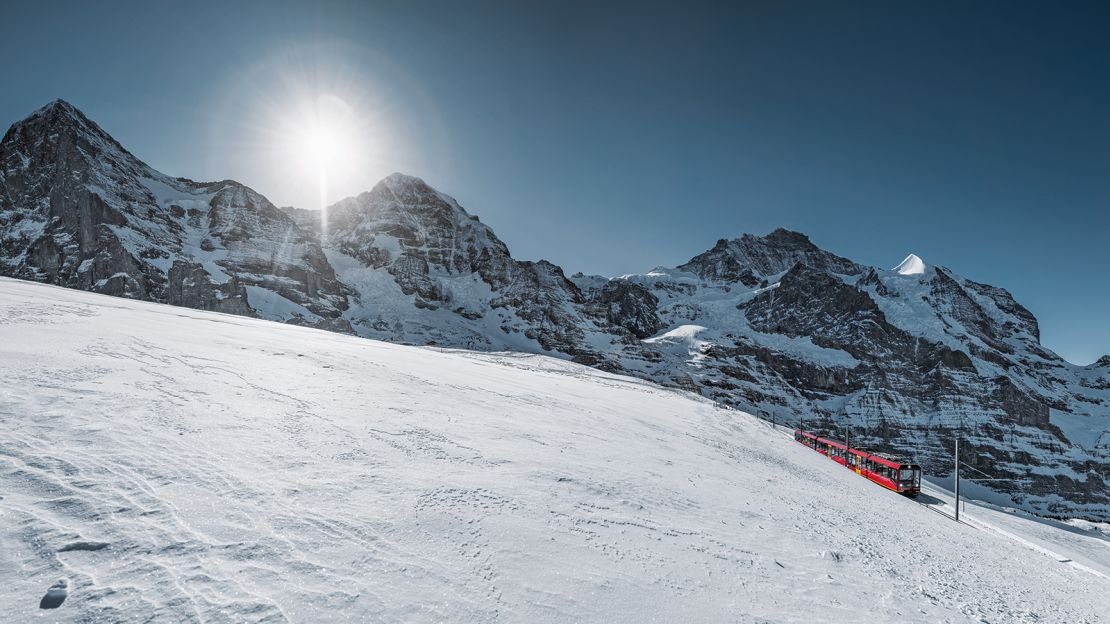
{"type": "Point", "coordinates": [956, 476]}
{"type": "Point", "coordinates": [847, 446]}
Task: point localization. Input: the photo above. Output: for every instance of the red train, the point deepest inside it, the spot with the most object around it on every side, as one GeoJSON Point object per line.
{"type": "Point", "coordinates": [893, 474]}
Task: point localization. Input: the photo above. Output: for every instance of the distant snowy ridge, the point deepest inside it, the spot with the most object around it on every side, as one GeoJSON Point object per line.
{"type": "Point", "coordinates": [907, 359]}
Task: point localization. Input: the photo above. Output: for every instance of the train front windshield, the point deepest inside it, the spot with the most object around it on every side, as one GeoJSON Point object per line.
{"type": "Point", "coordinates": [910, 476]}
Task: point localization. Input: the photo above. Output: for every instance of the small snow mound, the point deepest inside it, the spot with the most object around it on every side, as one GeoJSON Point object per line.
{"type": "Point", "coordinates": [912, 265]}
{"type": "Point", "coordinates": [678, 334]}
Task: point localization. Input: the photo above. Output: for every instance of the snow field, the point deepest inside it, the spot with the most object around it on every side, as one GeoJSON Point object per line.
{"type": "Point", "coordinates": [171, 464]}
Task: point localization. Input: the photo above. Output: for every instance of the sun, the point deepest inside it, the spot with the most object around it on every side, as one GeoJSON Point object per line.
{"type": "Point", "coordinates": [322, 140]}
{"type": "Point", "coordinates": [315, 123]}
{"type": "Point", "coordinates": [323, 131]}
{"type": "Point", "coordinates": [320, 146]}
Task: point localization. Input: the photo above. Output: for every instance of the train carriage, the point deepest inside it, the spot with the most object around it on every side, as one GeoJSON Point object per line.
{"type": "Point", "coordinates": [892, 473]}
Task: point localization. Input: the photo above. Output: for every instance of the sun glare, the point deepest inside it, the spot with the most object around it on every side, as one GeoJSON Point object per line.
{"type": "Point", "coordinates": [317, 122]}
{"type": "Point", "coordinates": [321, 141]}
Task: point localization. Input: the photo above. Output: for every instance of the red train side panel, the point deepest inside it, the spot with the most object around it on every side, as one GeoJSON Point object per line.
{"type": "Point", "coordinates": [901, 477]}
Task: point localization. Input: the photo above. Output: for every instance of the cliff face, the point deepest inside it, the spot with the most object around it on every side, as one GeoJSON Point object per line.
{"type": "Point", "coordinates": [906, 359]}
{"type": "Point", "coordinates": [78, 210]}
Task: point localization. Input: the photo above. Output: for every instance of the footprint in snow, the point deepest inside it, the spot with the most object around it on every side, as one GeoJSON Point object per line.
{"type": "Point", "coordinates": [56, 595]}
{"type": "Point", "coordinates": [90, 546]}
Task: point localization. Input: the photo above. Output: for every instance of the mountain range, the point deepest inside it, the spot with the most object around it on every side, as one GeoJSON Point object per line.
{"type": "Point", "coordinates": [902, 360]}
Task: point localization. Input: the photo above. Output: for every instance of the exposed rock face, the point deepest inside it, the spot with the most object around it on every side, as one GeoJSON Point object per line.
{"type": "Point", "coordinates": [403, 245]}
{"type": "Point", "coordinates": [78, 210]}
{"type": "Point", "coordinates": [629, 306]}
{"type": "Point", "coordinates": [906, 361]}
{"type": "Point", "coordinates": [811, 302]}
{"type": "Point", "coordinates": [750, 259]}
{"type": "Point", "coordinates": [1022, 319]}
{"type": "Point", "coordinates": [774, 325]}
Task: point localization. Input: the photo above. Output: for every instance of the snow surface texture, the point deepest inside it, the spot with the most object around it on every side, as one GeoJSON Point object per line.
{"type": "Point", "coordinates": [160, 463]}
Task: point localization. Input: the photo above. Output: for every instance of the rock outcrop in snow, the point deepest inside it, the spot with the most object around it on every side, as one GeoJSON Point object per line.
{"type": "Point", "coordinates": [906, 359]}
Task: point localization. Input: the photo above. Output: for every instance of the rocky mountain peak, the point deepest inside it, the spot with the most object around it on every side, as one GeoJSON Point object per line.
{"type": "Point", "coordinates": [404, 196]}
{"type": "Point", "coordinates": [404, 214]}
{"type": "Point", "coordinates": [61, 113]}
{"type": "Point", "coordinates": [751, 259]}
{"type": "Point", "coordinates": [62, 119]}
{"type": "Point", "coordinates": [59, 148]}
{"type": "Point", "coordinates": [60, 107]}
{"type": "Point", "coordinates": [783, 238]}
{"type": "Point", "coordinates": [401, 184]}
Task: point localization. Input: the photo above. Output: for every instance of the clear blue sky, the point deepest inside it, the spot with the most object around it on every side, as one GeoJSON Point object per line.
{"type": "Point", "coordinates": [613, 139]}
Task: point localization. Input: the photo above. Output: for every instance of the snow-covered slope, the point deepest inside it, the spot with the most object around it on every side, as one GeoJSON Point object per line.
{"type": "Point", "coordinates": [165, 464]}
{"type": "Point", "coordinates": [906, 359]}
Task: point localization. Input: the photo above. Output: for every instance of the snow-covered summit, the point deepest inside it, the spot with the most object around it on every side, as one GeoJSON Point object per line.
{"type": "Point", "coordinates": [912, 265]}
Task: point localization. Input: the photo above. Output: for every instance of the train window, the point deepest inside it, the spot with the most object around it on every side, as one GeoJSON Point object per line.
{"type": "Point", "coordinates": [907, 474]}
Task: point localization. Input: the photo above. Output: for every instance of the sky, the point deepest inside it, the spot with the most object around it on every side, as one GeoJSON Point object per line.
{"type": "Point", "coordinates": [613, 139]}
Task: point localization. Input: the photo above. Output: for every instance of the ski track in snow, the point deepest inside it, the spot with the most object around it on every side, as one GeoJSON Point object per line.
{"type": "Point", "coordinates": [181, 466]}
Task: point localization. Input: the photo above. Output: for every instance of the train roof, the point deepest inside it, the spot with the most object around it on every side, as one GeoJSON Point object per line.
{"type": "Point", "coordinates": [892, 462]}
